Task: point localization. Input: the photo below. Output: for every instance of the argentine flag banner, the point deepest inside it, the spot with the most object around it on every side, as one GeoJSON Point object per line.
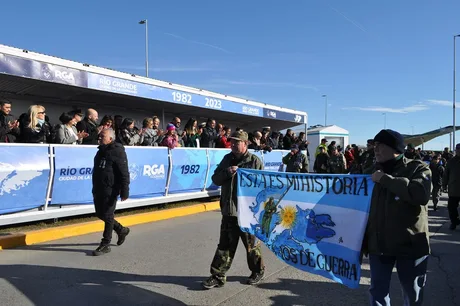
{"type": "Point", "coordinates": [313, 222]}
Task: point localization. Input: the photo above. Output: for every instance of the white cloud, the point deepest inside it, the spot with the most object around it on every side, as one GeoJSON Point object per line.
{"type": "Point", "coordinates": [197, 42]}
{"type": "Point", "coordinates": [353, 22]}
{"type": "Point", "coordinates": [442, 102]}
{"type": "Point", "coordinates": [381, 109]}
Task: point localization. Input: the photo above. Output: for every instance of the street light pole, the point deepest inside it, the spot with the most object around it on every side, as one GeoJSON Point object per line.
{"type": "Point", "coordinates": [325, 110]}
{"type": "Point", "coordinates": [453, 102]}
{"type": "Point", "coordinates": [146, 46]}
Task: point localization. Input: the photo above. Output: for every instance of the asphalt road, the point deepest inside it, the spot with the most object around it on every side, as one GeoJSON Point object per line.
{"type": "Point", "coordinates": [163, 263]}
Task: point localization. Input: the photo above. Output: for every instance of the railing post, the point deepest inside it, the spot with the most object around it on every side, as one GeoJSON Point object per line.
{"type": "Point", "coordinates": [168, 179]}
{"type": "Point", "coordinates": [51, 177]}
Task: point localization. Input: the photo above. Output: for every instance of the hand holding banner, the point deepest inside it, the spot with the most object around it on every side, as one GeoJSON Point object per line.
{"type": "Point", "coordinates": [315, 223]}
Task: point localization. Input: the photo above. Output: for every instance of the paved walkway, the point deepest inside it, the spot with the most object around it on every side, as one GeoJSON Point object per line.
{"type": "Point", "coordinates": [163, 263]}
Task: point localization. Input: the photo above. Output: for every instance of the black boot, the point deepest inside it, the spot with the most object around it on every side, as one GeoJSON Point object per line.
{"type": "Point", "coordinates": [101, 250]}
{"type": "Point", "coordinates": [122, 235]}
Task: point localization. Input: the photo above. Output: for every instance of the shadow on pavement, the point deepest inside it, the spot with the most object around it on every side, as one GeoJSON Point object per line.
{"type": "Point", "coordinates": [85, 248]}
{"type": "Point", "coordinates": [44, 286]}
{"type": "Point", "coordinates": [301, 292]}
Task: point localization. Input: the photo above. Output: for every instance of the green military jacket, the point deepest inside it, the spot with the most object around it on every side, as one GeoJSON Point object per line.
{"type": "Point", "coordinates": [222, 177]}
{"type": "Point", "coordinates": [368, 165]}
{"type": "Point", "coordinates": [398, 218]}
{"type": "Point", "coordinates": [296, 163]}
{"type": "Point", "coordinates": [451, 177]}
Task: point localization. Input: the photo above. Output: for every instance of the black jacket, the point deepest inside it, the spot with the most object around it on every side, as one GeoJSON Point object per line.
{"type": "Point", "coordinates": [40, 134]}
{"type": "Point", "coordinates": [89, 127]}
{"type": "Point", "coordinates": [208, 138]}
{"type": "Point", "coordinates": [7, 134]}
{"type": "Point", "coordinates": [437, 172]}
{"type": "Point", "coordinates": [111, 174]}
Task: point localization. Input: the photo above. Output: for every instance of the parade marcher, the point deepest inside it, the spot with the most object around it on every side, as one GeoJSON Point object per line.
{"type": "Point", "coordinates": [368, 158]}
{"type": "Point", "coordinates": [322, 145]}
{"type": "Point", "coordinates": [411, 153]}
{"type": "Point", "coordinates": [397, 229]}
{"type": "Point", "coordinates": [110, 180]}
{"type": "Point", "coordinates": [446, 154]}
{"type": "Point", "coordinates": [331, 146]}
{"type": "Point", "coordinates": [321, 161]}
{"type": "Point", "coordinates": [230, 232]}
{"type": "Point", "coordinates": [336, 163]}
{"type": "Point", "coordinates": [437, 172]}
{"type": "Point", "coordinates": [295, 161]}
{"type": "Point", "coordinates": [451, 180]}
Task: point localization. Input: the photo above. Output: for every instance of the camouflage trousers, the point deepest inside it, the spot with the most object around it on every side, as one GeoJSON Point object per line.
{"type": "Point", "coordinates": [230, 234]}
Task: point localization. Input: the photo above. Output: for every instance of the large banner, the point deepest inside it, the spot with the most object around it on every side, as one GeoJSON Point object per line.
{"type": "Point", "coordinates": [24, 177]}
{"type": "Point", "coordinates": [315, 223]}
{"type": "Point", "coordinates": [73, 173]}
{"type": "Point", "coordinates": [148, 170]}
{"type": "Point", "coordinates": [137, 89]}
{"type": "Point", "coordinates": [189, 167]}
{"type": "Point", "coordinates": [215, 157]}
{"type": "Point", "coordinates": [42, 71]}
{"type": "Point", "coordinates": [273, 161]}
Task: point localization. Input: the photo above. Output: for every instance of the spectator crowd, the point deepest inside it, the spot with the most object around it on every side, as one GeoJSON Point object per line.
{"type": "Point", "coordinates": [78, 128]}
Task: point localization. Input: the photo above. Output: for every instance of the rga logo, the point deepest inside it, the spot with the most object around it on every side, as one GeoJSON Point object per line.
{"type": "Point", "coordinates": [48, 74]}
{"type": "Point", "coordinates": [64, 75]}
{"type": "Point", "coordinates": [271, 113]}
{"type": "Point", "coordinates": [297, 118]}
{"type": "Point", "coordinates": [133, 171]}
{"type": "Point", "coordinates": [154, 171]}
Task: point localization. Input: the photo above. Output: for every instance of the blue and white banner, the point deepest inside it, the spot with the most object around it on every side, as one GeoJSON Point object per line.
{"type": "Point", "coordinates": [273, 161]}
{"type": "Point", "coordinates": [189, 167]}
{"type": "Point", "coordinates": [137, 89]}
{"type": "Point", "coordinates": [73, 166]}
{"type": "Point", "coordinates": [148, 171]}
{"type": "Point", "coordinates": [215, 157]}
{"type": "Point", "coordinates": [42, 71]}
{"type": "Point", "coordinates": [315, 223]}
{"type": "Point", "coordinates": [24, 177]}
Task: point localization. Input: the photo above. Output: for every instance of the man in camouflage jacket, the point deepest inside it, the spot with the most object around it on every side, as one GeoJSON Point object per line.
{"type": "Point", "coordinates": [230, 232]}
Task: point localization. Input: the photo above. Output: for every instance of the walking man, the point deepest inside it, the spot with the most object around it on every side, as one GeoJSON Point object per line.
{"type": "Point", "coordinates": [437, 171]}
{"type": "Point", "coordinates": [451, 180]}
{"type": "Point", "coordinates": [397, 230]}
{"type": "Point", "coordinates": [110, 179]}
{"type": "Point", "coordinates": [230, 232]}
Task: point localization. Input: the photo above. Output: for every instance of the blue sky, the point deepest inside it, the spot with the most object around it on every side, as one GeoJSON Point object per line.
{"type": "Point", "coordinates": [368, 57]}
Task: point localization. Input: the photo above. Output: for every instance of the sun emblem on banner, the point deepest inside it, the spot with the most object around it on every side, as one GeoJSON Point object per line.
{"type": "Point", "coordinates": [287, 216]}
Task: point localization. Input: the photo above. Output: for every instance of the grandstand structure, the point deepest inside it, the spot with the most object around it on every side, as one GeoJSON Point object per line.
{"type": "Point", "coordinates": [40, 181]}
{"type": "Point", "coordinates": [28, 78]}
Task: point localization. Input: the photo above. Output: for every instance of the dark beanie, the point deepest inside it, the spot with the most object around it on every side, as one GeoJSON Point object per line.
{"type": "Point", "coordinates": [392, 139]}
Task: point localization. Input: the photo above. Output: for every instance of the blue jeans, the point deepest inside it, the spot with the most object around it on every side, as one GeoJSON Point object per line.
{"type": "Point", "coordinates": [411, 273]}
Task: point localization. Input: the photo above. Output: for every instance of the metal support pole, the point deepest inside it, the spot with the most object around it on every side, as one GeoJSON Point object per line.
{"type": "Point", "coordinates": [145, 22]}
{"type": "Point", "coordinates": [325, 110]}
{"type": "Point", "coordinates": [146, 48]}
{"type": "Point", "coordinates": [453, 102]}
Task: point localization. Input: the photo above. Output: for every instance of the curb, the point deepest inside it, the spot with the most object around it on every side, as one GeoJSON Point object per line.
{"type": "Point", "coordinates": [73, 230]}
